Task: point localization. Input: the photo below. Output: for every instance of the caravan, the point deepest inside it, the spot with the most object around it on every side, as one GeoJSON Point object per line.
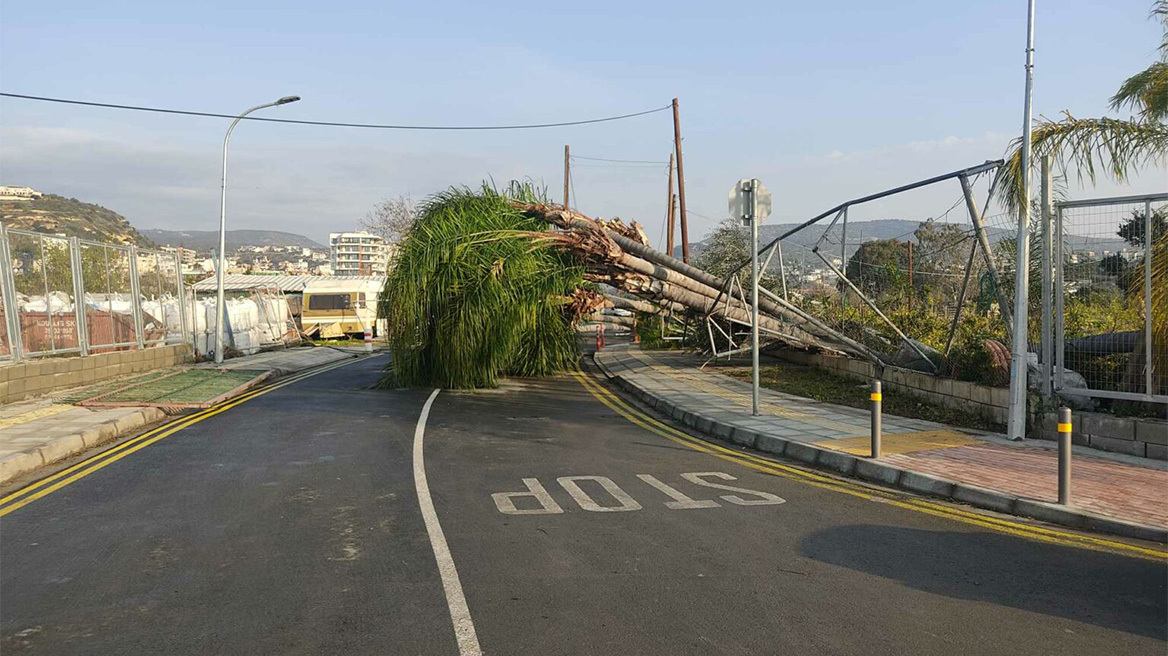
{"type": "Point", "coordinates": [339, 307]}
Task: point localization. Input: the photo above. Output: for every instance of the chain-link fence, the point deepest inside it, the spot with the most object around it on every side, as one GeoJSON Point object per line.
{"type": "Point", "coordinates": [1111, 298]}
{"type": "Point", "coordinates": [64, 295]}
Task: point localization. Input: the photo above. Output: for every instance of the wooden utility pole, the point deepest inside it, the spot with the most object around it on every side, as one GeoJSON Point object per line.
{"type": "Point", "coordinates": [669, 211]}
{"type": "Point", "coordinates": [680, 183]}
{"type": "Point", "coordinates": [672, 219]}
{"type": "Point", "coordinates": [567, 165]}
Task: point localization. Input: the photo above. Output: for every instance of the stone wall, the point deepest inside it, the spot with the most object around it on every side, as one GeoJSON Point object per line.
{"type": "Point", "coordinates": [1147, 438]}
{"type": "Point", "coordinates": [988, 402]}
{"type": "Point", "coordinates": [1134, 436]}
{"type": "Point", "coordinates": [39, 377]}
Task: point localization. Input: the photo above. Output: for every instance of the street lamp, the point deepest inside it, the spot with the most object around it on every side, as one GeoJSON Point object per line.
{"type": "Point", "coordinates": [220, 304]}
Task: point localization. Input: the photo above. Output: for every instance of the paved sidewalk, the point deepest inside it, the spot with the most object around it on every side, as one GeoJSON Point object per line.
{"type": "Point", "coordinates": [287, 361]}
{"type": "Point", "coordinates": [998, 473]}
{"type": "Point", "coordinates": [40, 431]}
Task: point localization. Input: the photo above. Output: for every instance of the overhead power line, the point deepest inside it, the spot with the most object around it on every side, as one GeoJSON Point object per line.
{"type": "Point", "coordinates": [374, 126]}
{"type": "Point", "coordinates": [620, 161]}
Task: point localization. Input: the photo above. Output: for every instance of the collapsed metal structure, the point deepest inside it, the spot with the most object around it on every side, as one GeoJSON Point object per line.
{"type": "Point", "coordinates": [654, 282]}
{"type": "Point", "coordinates": [840, 212]}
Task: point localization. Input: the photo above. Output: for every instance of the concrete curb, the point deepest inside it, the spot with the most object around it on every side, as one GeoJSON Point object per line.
{"type": "Point", "coordinates": [18, 464]}
{"type": "Point", "coordinates": [889, 475]}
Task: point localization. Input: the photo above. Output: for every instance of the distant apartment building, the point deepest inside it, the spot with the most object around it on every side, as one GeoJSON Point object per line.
{"type": "Point", "coordinates": [358, 254]}
{"type": "Point", "coordinates": [187, 255]}
{"type": "Point", "coordinates": [18, 193]}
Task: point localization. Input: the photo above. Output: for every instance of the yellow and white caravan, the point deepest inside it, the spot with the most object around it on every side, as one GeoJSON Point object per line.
{"type": "Point", "coordinates": [341, 306]}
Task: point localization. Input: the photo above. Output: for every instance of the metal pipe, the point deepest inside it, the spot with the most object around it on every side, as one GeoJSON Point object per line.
{"type": "Point", "coordinates": [1060, 336]}
{"type": "Point", "coordinates": [8, 291]}
{"type": "Point", "coordinates": [1016, 428]}
{"type": "Point", "coordinates": [989, 165]}
{"type": "Point", "coordinates": [219, 301]}
{"type": "Point", "coordinates": [987, 253]}
{"type": "Point", "coordinates": [876, 309]}
{"type": "Point", "coordinates": [80, 310]}
{"type": "Point", "coordinates": [1047, 312]}
{"type": "Point", "coordinates": [782, 270]}
{"type": "Point", "coordinates": [961, 298]}
{"type": "Point", "coordinates": [844, 253]}
{"type": "Point", "coordinates": [877, 402]}
{"type": "Point", "coordinates": [754, 273]}
{"type": "Point", "coordinates": [136, 297]}
{"type": "Point", "coordinates": [1149, 247]}
{"type": "Point", "coordinates": [182, 302]}
{"type": "Point", "coordinates": [1064, 456]}
{"type": "Point", "coordinates": [48, 304]}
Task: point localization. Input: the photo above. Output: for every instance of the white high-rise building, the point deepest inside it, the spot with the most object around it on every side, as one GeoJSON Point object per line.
{"type": "Point", "coordinates": [358, 254]}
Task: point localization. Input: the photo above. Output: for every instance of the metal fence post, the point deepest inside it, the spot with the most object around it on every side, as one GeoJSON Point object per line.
{"type": "Point", "coordinates": [48, 301]}
{"type": "Point", "coordinates": [80, 308]}
{"type": "Point", "coordinates": [1060, 325]}
{"type": "Point", "coordinates": [1047, 318]}
{"type": "Point", "coordinates": [1149, 246]}
{"type": "Point", "coordinates": [136, 297]}
{"type": "Point", "coordinates": [877, 399]}
{"type": "Point", "coordinates": [182, 300]}
{"type": "Point", "coordinates": [11, 309]}
{"type": "Point", "coordinates": [1064, 456]}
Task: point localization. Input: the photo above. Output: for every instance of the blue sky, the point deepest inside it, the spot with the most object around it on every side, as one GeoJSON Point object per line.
{"type": "Point", "coordinates": [822, 101]}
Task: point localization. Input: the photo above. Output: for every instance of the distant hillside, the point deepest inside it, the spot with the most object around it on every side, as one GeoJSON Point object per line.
{"type": "Point", "coordinates": [205, 240]}
{"type": "Point", "coordinates": [59, 215]}
{"type": "Point", "coordinates": [885, 229]}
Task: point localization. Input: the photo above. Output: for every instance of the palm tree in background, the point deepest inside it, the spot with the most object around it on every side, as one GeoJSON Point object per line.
{"type": "Point", "coordinates": [1115, 147]}
{"type": "Point", "coordinates": [1112, 146]}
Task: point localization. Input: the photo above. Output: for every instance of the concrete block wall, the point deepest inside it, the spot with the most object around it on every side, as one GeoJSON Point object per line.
{"type": "Point", "coordinates": [991, 403]}
{"type": "Point", "coordinates": [1135, 436]}
{"type": "Point", "coordinates": [33, 378]}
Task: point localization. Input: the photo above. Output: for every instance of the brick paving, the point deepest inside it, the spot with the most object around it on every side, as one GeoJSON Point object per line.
{"type": "Point", "coordinates": [1101, 486]}
{"type": "Point", "coordinates": [1120, 487]}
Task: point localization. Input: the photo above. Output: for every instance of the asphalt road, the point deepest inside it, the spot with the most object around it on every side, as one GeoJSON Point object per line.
{"type": "Point", "coordinates": [291, 524]}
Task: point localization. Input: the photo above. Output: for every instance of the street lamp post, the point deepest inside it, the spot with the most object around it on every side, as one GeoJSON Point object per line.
{"type": "Point", "coordinates": [220, 304]}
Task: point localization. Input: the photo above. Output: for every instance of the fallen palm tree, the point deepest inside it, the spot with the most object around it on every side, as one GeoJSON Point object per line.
{"type": "Point", "coordinates": [492, 283]}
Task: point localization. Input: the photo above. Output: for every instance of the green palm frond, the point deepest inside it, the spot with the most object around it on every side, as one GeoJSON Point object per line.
{"type": "Point", "coordinates": [476, 293]}
{"type": "Point", "coordinates": [1146, 93]}
{"type": "Point", "coordinates": [1087, 146]}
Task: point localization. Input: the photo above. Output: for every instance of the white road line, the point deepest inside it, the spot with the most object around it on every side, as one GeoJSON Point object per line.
{"type": "Point", "coordinates": [464, 631]}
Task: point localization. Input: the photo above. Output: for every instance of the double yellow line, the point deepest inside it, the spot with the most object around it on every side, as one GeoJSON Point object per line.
{"type": "Point", "coordinates": [1028, 531]}
{"type": "Point", "coordinates": [50, 484]}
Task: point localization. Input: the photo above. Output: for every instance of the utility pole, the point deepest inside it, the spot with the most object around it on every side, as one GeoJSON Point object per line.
{"type": "Point", "coordinates": [680, 183]}
{"type": "Point", "coordinates": [669, 211]}
{"type": "Point", "coordinates": [567, 170]}
{"type": "Point", "coordinates": [1016, 428]}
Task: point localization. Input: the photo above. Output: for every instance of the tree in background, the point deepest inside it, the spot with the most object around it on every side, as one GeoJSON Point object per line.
{"type": "Point", "coordinates": [726, 248]}
{"type": "Point", "coordinates": [1117, 145]}
{"type": "Point", "coordinates": [942, 251]}
{"type": "Point", "coordinates": [879, 267]}
{"type": "Point", "coordinates": [391, 218]}
{"type": "Point", "coordinates": [1133, 230]}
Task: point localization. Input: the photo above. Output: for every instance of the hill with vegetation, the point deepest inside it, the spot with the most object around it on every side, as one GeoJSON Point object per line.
{"type": "Point", "coordinates": [68, 216]}
{"type": "Point", "coordinates": [205, 240]}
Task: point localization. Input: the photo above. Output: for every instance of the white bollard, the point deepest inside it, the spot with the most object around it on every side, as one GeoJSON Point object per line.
{"type": "Point", "coordinates": [368, 340]}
